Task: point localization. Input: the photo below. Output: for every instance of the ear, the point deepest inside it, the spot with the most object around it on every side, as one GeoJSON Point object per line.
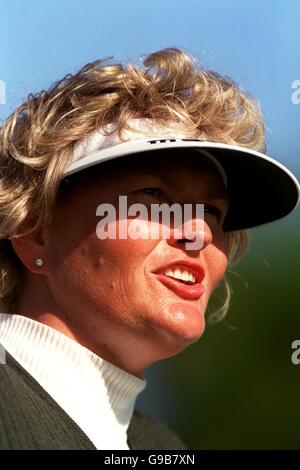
{"type": "Point", "coordinates": [30, 247]}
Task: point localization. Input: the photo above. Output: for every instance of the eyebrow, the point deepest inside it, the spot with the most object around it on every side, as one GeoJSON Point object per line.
{"type": "Point", "coordinates": [218, 193]}
{"type": "Point", "coordinates": [213, 192]}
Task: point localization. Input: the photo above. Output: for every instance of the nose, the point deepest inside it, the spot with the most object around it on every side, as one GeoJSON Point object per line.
{"type": "Point", "coordinates": [193, 235]}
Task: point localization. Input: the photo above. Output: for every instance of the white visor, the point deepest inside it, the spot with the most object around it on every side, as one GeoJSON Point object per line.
{"type": "Point", "coordinates": [260, 189]}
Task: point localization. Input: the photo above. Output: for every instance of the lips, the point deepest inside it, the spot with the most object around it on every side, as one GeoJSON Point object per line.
{"type": "Point", "coordinates": [183, 277]}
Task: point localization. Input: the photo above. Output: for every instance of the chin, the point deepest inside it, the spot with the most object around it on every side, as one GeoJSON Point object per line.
{"type": "Point", "coordinates": [176, 336]}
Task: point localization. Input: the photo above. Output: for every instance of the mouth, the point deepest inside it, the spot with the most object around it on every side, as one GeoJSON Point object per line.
{"type": "Point", "coordinates": [184, 278]}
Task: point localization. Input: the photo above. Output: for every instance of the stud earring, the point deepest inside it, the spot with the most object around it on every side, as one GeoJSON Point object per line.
{"type": "Point", "coordinates": [38, 262]}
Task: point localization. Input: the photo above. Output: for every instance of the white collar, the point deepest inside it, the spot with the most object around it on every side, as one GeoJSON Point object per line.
{"type": "Point", "coordinates": [97, 395]}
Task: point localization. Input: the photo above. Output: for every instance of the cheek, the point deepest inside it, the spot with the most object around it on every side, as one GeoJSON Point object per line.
{"type": "Point", "coordinates": [216, 258]}
{"type": "Point", "coordinates": [104, 275]}
{"type": "Point", "coordinates": [131, 250]}
{"type": "Point", "coordinates": [106, 264]}
{"type": "Point", "coordinates": [219, 265]}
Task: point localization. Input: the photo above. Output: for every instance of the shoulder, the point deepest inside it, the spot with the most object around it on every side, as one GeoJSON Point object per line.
{"type": "Point", "coordinates": [30, 419]}
{"type": "Point", "coordinates": [22, 414]}
{"type": "Point", "coordinates": [13, 400]}
{"type": "Point", "coordinates": [147, 433]}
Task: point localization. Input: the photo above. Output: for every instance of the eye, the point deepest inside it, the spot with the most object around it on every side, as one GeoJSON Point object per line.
{"type": "Point", "coordinates": [155, 192]}
{"type": "Point", "coordinates": [212, 210]}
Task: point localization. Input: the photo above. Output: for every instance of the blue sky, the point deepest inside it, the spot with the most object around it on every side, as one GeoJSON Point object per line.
{"type": "Point", "coordinates": [256, 42]}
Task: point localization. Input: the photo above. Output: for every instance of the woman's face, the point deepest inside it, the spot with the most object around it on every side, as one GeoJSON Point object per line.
{"type": "Point", "coordinates": [114, 294]}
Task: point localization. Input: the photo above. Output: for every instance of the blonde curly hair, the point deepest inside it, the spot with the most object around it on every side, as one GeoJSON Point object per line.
{"type": "Point", "coordinates": [37, 140]}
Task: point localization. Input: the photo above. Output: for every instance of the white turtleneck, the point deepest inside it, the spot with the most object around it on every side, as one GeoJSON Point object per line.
{"type": "Point", "coordinates": [97, 395]}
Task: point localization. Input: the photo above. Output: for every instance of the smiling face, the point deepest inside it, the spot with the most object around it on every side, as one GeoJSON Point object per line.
{"type": "Point", "coordinates": [135, 301]}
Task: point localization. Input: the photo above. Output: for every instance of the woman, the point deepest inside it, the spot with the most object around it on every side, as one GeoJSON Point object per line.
{"type": "Point", "coordinates": [91, 299]}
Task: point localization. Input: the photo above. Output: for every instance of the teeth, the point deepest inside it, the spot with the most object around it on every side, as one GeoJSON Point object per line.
{"type": "Point", "coordinates": [182, 274]}
{"type": "Point", "coordinates": [178, 274]}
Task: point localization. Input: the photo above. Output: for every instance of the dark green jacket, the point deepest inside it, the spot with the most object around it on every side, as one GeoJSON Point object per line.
{"type": "Point", "coordinates": [31, 419]}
